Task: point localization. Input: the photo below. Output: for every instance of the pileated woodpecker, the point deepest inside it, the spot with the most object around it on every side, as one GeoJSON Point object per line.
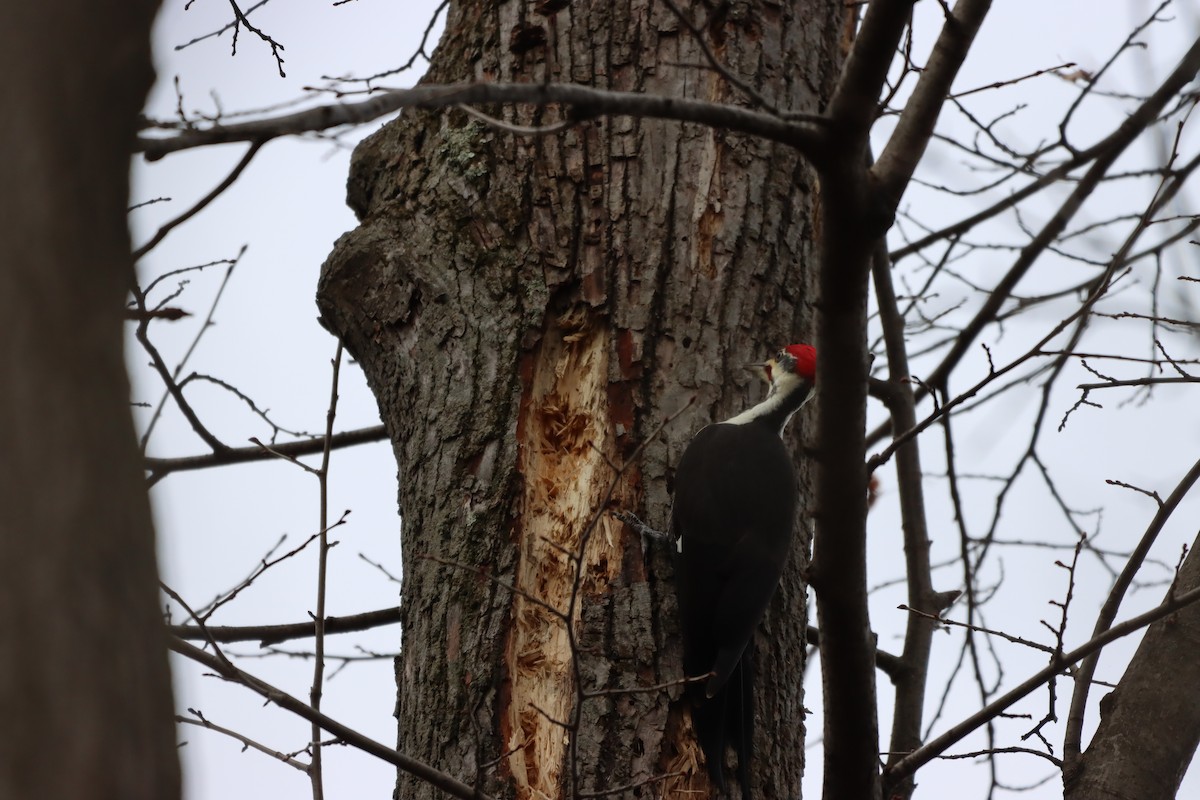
{"type": "Point", "coordinates": [732, 519]}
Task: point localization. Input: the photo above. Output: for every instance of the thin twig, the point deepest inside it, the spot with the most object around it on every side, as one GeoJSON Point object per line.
{"type": "Point", "coordinates": [315, 772]}
{"type": "Point", "coordinates": [803, 132]}
{"type": "Point", "coordinates": [159, 468]}
{"type": "Point", "coordinates": [1108, 612]}
{"type": "Point", "coordinates": [345, 733]}
{"type": "Point", "coordinates": [273, 634]}
{"type": "Point", "coordinates": [934, 748]}
{"type": "Point", "coordinates": [203, 202]}
{"type": "Point", "coordinates": [201, 721]}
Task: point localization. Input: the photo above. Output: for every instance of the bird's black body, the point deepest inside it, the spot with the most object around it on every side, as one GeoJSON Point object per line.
{"type": "Point", "coordinates": [732, 520]}
{"type": "Point", "coordinates": [735, 536]}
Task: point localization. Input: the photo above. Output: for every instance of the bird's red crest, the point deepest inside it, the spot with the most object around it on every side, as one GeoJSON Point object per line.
{"type": "Point", "coordinates": [806, 360]}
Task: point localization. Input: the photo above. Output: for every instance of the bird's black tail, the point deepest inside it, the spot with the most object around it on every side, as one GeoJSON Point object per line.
{"type": "Point", "coordinates": [727, 719]}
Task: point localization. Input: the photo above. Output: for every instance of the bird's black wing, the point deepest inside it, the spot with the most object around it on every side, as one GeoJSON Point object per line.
{"type": "Point", "coordinates": [735, 500]}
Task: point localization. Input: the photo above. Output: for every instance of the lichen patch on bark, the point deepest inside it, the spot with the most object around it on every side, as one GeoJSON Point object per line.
{"type": "Point", "coordinates": [566, 441]}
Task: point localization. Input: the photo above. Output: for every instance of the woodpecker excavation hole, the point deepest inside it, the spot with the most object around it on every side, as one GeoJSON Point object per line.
{"type": "Point", "coordinates": [566, 445]}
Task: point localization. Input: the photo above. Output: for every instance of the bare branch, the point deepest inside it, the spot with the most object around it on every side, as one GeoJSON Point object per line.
{"type": "Point", "coordinates": [172, 388]}
{"type": "Point", "coordinates": [161, 467]}
{"type": "Point", "coordinates": [978, 629]}
{"type": "Point", "coordinates": [420, 52]}
{"type": "Point", "coordinates": [993, 751]}
{"type": "Point", "coordinates": [907, 145]}
{"type": "Point", "coordinates": [855, 102]}
{"type": "Point", "coordinates": [241, 20]}
{"type": "Point", "coordinates": [923, 755]}
{"type": "Point", "coordinates": [251, 152]}
{"type": "Point", "coordinates": [585, 103]}
{"type": "Point", "coordinates": [1012, 81]}
{"type": "Point", "coordinates": [520, 130]}
{"type": "Point", "coordinates": [887, 663]}
{"type": "Point", "coordinates": [202, 722]}
{"type": "Point", "coordinates": [273, 634]}
{"type": "Point", "coordinates": [168, 378]}
{"type": "Point", "coordinates": [1129, 130]}
{"type": "Point", "coordinates": [448, 784]}
{"type": "Point", "coordinates": [699, 38]}
{"type": "Point", "coordinates": [630, 786]}
{"type": "Point", "coordinates": [228, 26]}
{"type": "Point", "coordinates": [1108, 612]}
{"type": "Point", "coordinates": [316, 771]}
{"type": "Point", "coordinates": [1136, 382]}
{"type": "Point", "coordinates": [264, 565]}
{"type": "Point", "coordinates": [910, 682]}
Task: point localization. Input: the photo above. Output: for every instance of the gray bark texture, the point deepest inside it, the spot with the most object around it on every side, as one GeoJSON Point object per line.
{"type": "Point", "coordinates": [85, 692]}
{"type": "Point", "coordinates": [530, 309]}
{"type": "Point", "coordinates": [1150, 724]}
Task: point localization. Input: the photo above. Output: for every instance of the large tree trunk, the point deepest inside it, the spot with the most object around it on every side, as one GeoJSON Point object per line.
{"type": "Point", "coordinates": [1150, 724]}
{"type": "Point", "coordinates": [85, 693]}
{"type": "Point", "coordinates": [528, 310]}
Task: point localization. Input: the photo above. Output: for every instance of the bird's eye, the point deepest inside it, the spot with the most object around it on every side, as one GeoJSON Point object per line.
{"type": "Point", "coordinates": [781, 355]}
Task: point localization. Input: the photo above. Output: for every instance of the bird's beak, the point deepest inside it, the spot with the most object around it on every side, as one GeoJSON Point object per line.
{"type": "Point", "coordinates": [762, 368]}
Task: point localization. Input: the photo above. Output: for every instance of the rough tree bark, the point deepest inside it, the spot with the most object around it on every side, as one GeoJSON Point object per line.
{"type": "Point", "coordinates": [85, 693]}
{"type": "Point", "coordinates": [527, 311]}
{"type": "Point", "coordinates": [1149, 728]}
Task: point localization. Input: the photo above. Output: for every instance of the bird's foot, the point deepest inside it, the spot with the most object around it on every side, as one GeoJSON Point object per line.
{"type": "Point", "coordinates": [642, 528]}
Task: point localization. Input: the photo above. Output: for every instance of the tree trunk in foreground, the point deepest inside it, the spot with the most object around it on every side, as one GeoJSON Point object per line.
{"type": "Point", "coordinates": [1150, 724]}
{"type": "Point", "coordinates": [528, 310]}
{"type": "Point", "coordinates": [85, 694]}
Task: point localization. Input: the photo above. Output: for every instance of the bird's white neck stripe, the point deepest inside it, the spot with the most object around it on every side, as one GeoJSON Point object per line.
{"type": "Point", "coordinates": [780, 395]}
{"type": "Point", "coordinates": [771, 403]}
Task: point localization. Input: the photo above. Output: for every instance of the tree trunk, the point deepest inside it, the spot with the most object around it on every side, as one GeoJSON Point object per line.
{"type": "Point", "coordinates": [528, 310]}
{"type": "Point", "coordinates": [1150, 724]}
{"type": "Point", "coordinates": [85, 692]}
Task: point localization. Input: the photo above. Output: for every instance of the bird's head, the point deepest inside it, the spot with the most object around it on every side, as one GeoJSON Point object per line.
{"type": "Point", "coordinates": [794, 368]}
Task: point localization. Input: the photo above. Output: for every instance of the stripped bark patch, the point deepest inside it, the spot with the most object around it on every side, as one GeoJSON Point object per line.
{"type": "Point", "coordinates": [683, 760]}
{"type": "Point", "coordinates": [565, 436]}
